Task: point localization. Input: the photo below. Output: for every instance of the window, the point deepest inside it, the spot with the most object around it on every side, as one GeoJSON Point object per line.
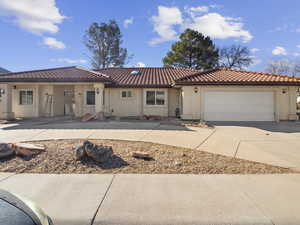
{"type": "Point", "coordinates": [26, 97]}
{"type": "Point", "coordinates": [90, 97]}
{"type": "Point", "coordinates": [155, 97]}
{"type": "Point", "coordinates": [126, 94]}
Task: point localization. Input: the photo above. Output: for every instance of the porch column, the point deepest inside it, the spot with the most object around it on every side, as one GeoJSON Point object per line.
{"type": "Point", "coordinates": [6, 102]}
{"type": "Point", "coordinates": [99, 89]}
{"type": "Point", "coordinates": [37, 101]}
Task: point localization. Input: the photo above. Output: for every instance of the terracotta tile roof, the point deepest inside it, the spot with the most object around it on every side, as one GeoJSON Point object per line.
{"type": "Point", "coordinates": [162, 77]}
{"type": "Point", "coordinates": [63, 74]}
{"type": "Point", "coordinates": [149, 77]}
{"type": "Point", "coordinates": [237, 77]}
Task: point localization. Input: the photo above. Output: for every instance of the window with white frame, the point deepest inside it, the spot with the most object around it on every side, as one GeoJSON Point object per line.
{"type": "Point", "coordinates": [155, 98]}
{"type": "Point", "coordinates": [90, 98]}
{"type": "Point", "coordinates": [26, 97]}
{"type": "Point", "coordinates": [126, 94]}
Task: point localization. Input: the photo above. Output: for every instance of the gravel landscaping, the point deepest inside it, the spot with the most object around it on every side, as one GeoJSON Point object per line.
{"type": "Point", "coordinates": [59, 158]}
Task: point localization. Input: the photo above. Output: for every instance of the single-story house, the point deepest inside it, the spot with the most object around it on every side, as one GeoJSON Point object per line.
{"type": "Point", "coordinates": [212, 95]}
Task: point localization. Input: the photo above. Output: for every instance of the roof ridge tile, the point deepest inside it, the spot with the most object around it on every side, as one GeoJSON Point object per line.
{"type": "Point", "coordinates": [40, 70]}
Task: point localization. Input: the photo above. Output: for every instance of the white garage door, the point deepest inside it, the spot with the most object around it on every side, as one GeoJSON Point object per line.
{"type": "Point", "coordinates": [238, 106]}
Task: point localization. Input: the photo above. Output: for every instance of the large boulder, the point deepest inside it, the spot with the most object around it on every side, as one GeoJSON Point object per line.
{"type": "Point", "coordinates": [5, 150]}
{"type": "Point", "coordinates": [98, 153]}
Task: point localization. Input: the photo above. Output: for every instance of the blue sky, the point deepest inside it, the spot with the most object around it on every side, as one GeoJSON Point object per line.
{"type": "Point", "coordinates": [48, 33]}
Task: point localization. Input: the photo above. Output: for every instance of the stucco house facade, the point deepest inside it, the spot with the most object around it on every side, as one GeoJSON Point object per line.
{"type": "Point", "coordinates": [213, 95]}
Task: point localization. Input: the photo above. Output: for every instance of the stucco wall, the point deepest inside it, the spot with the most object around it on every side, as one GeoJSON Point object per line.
{"type": "Point", "coordinates": [136, 106]}
{"type": "Point", "coordinates": [45, 106]}
{"type": "Point", "coordinates": [42, 106]}
{"type": "Point", "coordinates": [25, 111]}
{"type": "Point", "coordinates": [59, 100]}
{"type": "Point", "coordinates": [81, 107]}
{"type": "Point", "coordinates": [115, 105]}
{"type": "Point", "coordinates": [173, 103]}
{"type": "Point", "coordinates": [6, 102]}
{"type": "Point", "coordinates": [285, 103]}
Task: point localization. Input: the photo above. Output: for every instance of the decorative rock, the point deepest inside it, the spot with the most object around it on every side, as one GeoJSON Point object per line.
{"type": "Point", "coordinates": [178, 163]}
{"type": "Point", "coordinates": [79, 152]}
{"type": "Point", "coordinates": [27, 150]}
{"type": "Point", "coordinates": [97, 153]}
{"type": "Point", "coordinates": [87, 117]}
{"type": "Point", "coordinates": [5, 150]}
{"type": "Point", "coordinates": [140, 155]}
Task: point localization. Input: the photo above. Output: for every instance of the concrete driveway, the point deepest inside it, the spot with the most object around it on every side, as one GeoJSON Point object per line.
{"type": "Point", "coordinates": [272, 143]}
{"type": "Point", "coordinates": [162, 199]}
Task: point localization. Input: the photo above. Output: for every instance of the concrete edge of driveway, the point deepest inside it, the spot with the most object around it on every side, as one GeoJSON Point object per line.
{"type": "Point", "coordinates": [250, 197]}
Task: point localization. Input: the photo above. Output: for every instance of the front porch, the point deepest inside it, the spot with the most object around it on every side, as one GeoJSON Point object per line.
{"type": "Point", "coordinates": [30, 100]}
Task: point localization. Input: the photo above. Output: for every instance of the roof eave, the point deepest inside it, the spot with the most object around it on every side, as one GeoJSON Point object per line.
{"type": "Point", "coordinates": [239, 83]}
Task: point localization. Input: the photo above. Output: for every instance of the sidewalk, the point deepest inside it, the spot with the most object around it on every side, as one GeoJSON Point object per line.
{"type": "Point", "coordinates": [162, 199]}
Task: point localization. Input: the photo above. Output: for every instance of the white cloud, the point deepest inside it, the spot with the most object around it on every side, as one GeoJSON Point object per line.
{"type": "Point", "coordinates": [164, 23]}
{"type": "Point", "coordinates": [210, 24]}
{"type": "Point", "coordinates": [127, 22]}
{"type": "Point", "coordinates": [53, 43]}
{"type": "Point", "coordinates": [199, 9]}
{"type": "Point", "coordinates": [215, 6]}
{"type": "Point", "coordinates": [254, 50]}
{"type": "Point", "coordinates": [69, 61]}
{"type": "Point", "coordinates": [298, 46]}
{"type": "Point", "coordinates": [296, 54]}
{"type": "Point", "coordinates": [279, 51]}
{"type": "Point", "coordinates": [140, 64]}
{"type": "Point", "coordinates": [36, 16]}
{"type": "Point", "coordinates": [217, 26]}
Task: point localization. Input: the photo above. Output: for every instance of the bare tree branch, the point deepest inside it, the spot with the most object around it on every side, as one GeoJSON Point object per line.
{"type": "Point", "coordinates": [235, 56]}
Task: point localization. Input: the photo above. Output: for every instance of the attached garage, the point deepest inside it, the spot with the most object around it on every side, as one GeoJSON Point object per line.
{"type": "Point", "coordinates": [238, 106]}
{"type": "Point", "coordinates": [237, 95]}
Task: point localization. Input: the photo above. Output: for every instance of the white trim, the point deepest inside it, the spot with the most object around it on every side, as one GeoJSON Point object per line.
{"type": "Point", "coordinates": [126, 98]}
{"type": "Point", "coordinates": [85, 96]}
{"type": "Point", "coordinates": [19, 96]}
{"type": "Point", "coordinates": [156, 90]}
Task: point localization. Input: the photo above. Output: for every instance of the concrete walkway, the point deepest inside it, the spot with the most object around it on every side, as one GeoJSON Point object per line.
{"type": "Point", "coordinates": [162, 199]}
{"type": "Point", "coordinates": [271, 143]}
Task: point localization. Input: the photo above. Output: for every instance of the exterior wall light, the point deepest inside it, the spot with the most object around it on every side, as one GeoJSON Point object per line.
{"type": "Point", "coordinates": [284, 91]}
{"type": "Point", "coordinates": [196, 89]}
{"type": "Point", "coordinates": [2, 91]}
{"type": "Point", "coordinates": [97, 91]}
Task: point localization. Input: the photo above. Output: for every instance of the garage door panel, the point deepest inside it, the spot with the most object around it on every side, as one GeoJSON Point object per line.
{"type": "Point", "coordinates": [238, 106]}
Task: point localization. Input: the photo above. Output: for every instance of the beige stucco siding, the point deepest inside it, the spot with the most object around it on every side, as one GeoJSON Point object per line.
{"type": "Point", "coordinates": [25, 111]}
{"type": "Point", "coordinates": [284, 103]}
{"type": "Point", "coordinates": [115, 105]}
{"type": "Point", "coordinates": [173, 103]}
{"type": "Point", "coordinates": [81, 107]}
{"type": "Point", "coordinates": [59, 99]}
{"type": "Point", "coordinates": [191, 102]}
{"type": "Point", "coordinates": [45, 105]}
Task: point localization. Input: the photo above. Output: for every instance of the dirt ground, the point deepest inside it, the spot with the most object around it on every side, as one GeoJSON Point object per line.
{"type": "Point", "coordinates": [59, 159]}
